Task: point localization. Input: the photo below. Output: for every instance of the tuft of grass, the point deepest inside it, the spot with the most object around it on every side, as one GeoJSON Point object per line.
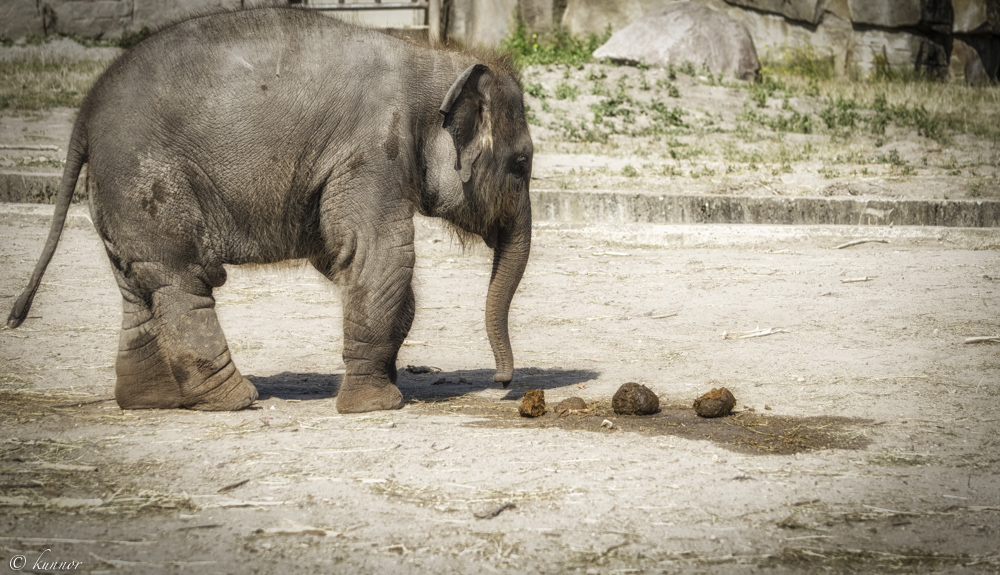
{"type": "Point", "coordinates": [565, 91]}
{"type": "Point", "coordinates": [534, 89]}
{"type": "Point", "coordinates": [129, 39]}
{"type": "Point", "coordinates": [802, 61]}
{"type": "Point", "coordinates": [556, 47]}
{"type": "Point", "coordinates": [41, 84]}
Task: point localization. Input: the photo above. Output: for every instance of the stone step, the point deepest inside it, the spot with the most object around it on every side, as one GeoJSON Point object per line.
{"type": "Point", "coordinates": [598, 206]}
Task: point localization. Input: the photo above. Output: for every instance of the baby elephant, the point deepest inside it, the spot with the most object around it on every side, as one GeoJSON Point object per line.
{"type": "Point", "coordinates": [269, 134]}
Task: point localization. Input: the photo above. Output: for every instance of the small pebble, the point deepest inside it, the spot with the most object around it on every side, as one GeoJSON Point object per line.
{"type": "Point", "coordinates": [388, 425]}
{"type": "Point", "coordinates": [607, 423]}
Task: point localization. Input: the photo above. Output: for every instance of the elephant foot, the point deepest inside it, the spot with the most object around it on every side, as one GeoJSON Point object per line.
{"type": "Point", "coordinates": [359, 397]}
{"type": "Point", "coordinates": [151, 382]}
{"type": "Point", "coordinates": [234, 394]}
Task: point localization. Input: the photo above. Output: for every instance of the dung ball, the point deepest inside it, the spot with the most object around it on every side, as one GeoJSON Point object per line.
{"type": "Point", "coordinates": [716, 403]}
{"type": "Point", "coordinates": [635, 399]}
{"type": "Point", "coordinates": [533, 404]}
{"type": "Point", "coordinates": [571, 403]}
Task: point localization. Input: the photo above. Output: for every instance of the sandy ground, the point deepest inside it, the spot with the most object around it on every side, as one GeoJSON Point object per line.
{"type": "Point", "coordinates": [866, 438]}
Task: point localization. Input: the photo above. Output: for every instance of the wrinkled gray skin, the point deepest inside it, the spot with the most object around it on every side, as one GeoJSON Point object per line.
{"type": "Point", "coordinates": [265, 135]}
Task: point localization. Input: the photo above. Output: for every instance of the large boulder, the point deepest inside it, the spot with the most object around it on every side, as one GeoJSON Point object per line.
{"type": "Point", "coordinates": [975, 59]}
{"type": "Point", "coordinates": [686, 32]}
{"type": "Point", "coordinates": [90, 19]}
{"type": "Point", "coordinates": [594, 16]}
{"type": "Point", "coordinates": [97, 18]}
{"type": "Point", "coordinates": [936, 15]}
{"type": "Point", "coordinates": [897, 51]}
{"type": "Point", "coordinates": [810, 11]}
{"type": "Point", "coordinates": [976, 16]}
{"type": "Point", "coordinates": [18, 18]}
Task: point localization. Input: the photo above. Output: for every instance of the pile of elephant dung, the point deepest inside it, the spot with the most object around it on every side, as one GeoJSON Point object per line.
{"type": "Point", "coordinates": [571, 404]}
{"type": "Point", "coordinates": [533, 404]}
{"type": "Point", "coordinates": [635, 399]}
{"type": "Point", "coordinates": [716, 403]}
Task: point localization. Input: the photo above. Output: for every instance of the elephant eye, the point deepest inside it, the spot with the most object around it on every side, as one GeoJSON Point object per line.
{"type": "Point", "coordinates": [521, 167]}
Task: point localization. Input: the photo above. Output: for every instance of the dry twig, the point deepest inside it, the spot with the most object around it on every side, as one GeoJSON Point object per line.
{"type": "Point", "coordinates": [749, 334]}
{"type": "Point", "coordinates": [232, 486]}
{"type": "Point", "coordinates": [495, 512]}
{"type": "Point", "coordinates": [983, 339]}
{"type": "Point", "coordinates": [858, 242]}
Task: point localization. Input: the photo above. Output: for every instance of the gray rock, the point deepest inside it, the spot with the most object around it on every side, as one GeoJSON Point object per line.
{"type": "Point", "coordinates": [900, 50]}
{"type": "Point", "coordinates": [976, 16]}
{"type": "Point", "coordinates": [975, 59]}
{"type": "Point", "coordinates": [593, 16]}
{"type": "Point", "coordinates": [686, 32]}
{"type": "Point", "coordinates": [924, 14]}
{"type": "Point", "coordinates": [18, 18]}
{"type": "Point", "coordinates": [810, 11]}
{"type": "Point", "coordinates": [92, 19]}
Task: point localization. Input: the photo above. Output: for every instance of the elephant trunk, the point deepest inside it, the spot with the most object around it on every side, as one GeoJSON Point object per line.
{"type": "Point", "coordinates": [510, 256]}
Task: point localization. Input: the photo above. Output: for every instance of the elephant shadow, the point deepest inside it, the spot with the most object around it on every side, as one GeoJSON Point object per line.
{"type": "Point", "coordinates": [428, 387]}
{"type": "Point", "coordinates": [296, 386]}
{"type": "Point", "coordinates": [445, 385]}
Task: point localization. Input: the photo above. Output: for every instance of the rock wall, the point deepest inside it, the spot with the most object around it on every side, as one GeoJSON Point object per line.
{"type": "Point", "coordinates": [95, 18]}
{"type": "Point", "coordinates": [959, 39]}
{"type": "Point", "coordinates": [480, 21]}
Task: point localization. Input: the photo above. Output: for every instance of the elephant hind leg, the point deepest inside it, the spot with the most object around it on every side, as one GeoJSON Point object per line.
{"type": "Point", "coordinates": [172, 352]}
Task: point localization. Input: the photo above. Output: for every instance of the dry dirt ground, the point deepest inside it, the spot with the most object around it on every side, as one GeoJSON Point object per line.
{"type": "Point", "coordinates": [865, 438]}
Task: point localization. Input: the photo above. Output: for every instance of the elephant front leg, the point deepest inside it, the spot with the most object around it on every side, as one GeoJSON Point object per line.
{"type": "Point", "coordinates": [172, 351]}
{"type": "Point", "coordinates": [378, 312]}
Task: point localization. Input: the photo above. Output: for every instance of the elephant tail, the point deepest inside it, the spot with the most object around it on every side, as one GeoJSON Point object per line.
{"type": "Point", "coordinates": [75, 159]}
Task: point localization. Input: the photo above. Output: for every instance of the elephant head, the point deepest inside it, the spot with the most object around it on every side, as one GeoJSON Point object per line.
{"type": "Point", "coordinates": [478, 180]}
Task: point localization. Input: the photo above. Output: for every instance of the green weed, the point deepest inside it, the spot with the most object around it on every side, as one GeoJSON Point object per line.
{"type": "Point", "coordinates": [557, 47]}
{"type": "Point", "coordinates": [534, 89]}
{"type": "Point", "coordinates": [596, 74]}
{"type": "Point", "coordinates": [840, 112]}
{"type": "Point", "coordinates": [802, 61]}
{"type": "Point", "coordinates": [666, 116]}
{"type": "Point", "coordinates": [566, 91]}
{"type": "Point", "coordinates": [669, 86]}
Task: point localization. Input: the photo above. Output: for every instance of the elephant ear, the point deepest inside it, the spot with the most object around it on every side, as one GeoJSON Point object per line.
{"type": "Point", "coordinates": [466, 116]}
